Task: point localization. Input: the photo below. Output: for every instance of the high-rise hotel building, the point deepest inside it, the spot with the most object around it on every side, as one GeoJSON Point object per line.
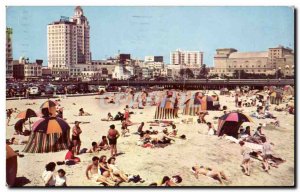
{"type": "Point", "coordinates": [187, 58]}
{"type": "Point", "coordinates": [69, 41]}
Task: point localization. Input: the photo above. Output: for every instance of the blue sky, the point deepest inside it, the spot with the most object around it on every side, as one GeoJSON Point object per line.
{"type": "Point", "coordinates": [145, 31]}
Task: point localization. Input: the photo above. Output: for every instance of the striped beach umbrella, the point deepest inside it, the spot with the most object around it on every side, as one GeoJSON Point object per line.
{"type": "Point", "coordinates": [26, 114]}
{"type": "Point", "coordinates": [49, 135]}
{"type": "Point", "coordinates": [51, 106]}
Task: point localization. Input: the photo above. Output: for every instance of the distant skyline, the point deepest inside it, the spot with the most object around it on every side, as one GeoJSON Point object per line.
{"type": "Point", "coordinates": [143, 31]}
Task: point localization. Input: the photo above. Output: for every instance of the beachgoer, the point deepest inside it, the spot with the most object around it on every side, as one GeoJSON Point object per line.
{"type": "Point", "coordinates": [174, 131]}
{"type": "Point", "coordinates": [48, 175]}
{"type": "Point", "coordinates": [211, 129]}
{"type": "Point", "coordinates": [110, 117]}
{"type": "Point", "coordinates": [218, 175]}
{"type": "Point", "coordinates": [70, 158]}
{"type": "Point", "coordinates": [93, 169]}
{"type": "Point", "coordinates": [76, 137]}
{"type": "Point", "coordinates": [115, 170]}
{"type": "Point", "coordinates": [20, 124]}
{"type": "Point", "coordinates": [140, 129]}
{"type": "Point", "coordinates": [103, 145]}
{"type": "Point", "coordinates": [169, 182]}
{"type": "Point", "coordinates": [112, 136]}
{"type": "Point", "coordinates": [246, 158]}
{"type": "Point", "coordinates": [94, 148]}
{"type": "Point", "coordinates": [60, 179]}
{"type": "Point", "coordinates": [267, 153]}
{"type": "Point", "coordinates": [8, 115]}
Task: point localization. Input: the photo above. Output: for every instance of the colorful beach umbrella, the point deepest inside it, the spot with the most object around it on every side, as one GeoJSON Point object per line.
{"type": "Point", "coordinates": [229, 123]}
{"type": "Point", "coordinates": [50, 134]}
{"type": "Point", "coordinates": [26, 114]}
{"type": "Point", "coordinates": [50, 125]}
{"type": "Point", "coordinates": [49, 104]}
{"type": "Point", "coordinates": [236, 117]}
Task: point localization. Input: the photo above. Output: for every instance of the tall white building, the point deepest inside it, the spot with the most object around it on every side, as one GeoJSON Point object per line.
{"type": "Point", "coordinates": [68, 41]}
{"type": "Point", "coordinates": [187, 58]}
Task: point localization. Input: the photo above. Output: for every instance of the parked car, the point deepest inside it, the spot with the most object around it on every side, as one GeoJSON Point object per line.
{"type": "Point", "coordinates": [49, 90]}
{"type": "Point", "coordinates": [82, 88]}
{"type": "Point", "coordinates": [20, 91]}
{"type": "Point", "coordinates": [92, 88]}
{"type": "Point", "coordinates": [34, 91]}
{"type": "Point", "coordinates": [101, 88]}
{"type": "Point", "coordinates": [112, 89]}
{"type": "Point", "coordinates": [72, 89]}
{"type": "Point", "coordinates": [60, 90]}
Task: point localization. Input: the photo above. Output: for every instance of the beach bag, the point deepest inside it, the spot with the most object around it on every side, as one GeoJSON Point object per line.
{"type": "Point", "coordinates": [70, 162]}
{"type": "Point", "coordinates": [84, 150]}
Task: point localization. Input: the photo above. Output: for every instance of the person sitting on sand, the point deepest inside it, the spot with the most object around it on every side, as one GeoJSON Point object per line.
{"type": "Point", "coordinates": [119, 116]}
{"type": "Point", "coordinates": [211, 129]}
{"type": "Point", "coordinates": [104, 169]}
{"type": "Point", "coordinates": [103, 144]}
{"type": "Point", "coordinates": [70, 158]}
{"type": "Point", "coordinates": [48, 175]}
{"type": "Point", "coordinates": [115, 170]}
{"type": "Point", "coordinates": [110, 117]}
{"type": "Point", "coordinates": [174, 131]}
{"type": "Point", "coordinates": [93, 170]}
{"type": "Point", "coordinates": [209, 172]}
{"type": "Point", "coordinates": [60, 179]}
{"type": "Point", "coordinates": [82, 113]}
{"type": "Point", "coordinates": [163, 138]}
{"type": "Point", "coordinates": [171, 182]}
{"type": "Point", "coordinates": [94, 148]}
{"type": "Point", "coordinates": [245, 152]}
{"type": "Point", "coordinates": [258, 134]}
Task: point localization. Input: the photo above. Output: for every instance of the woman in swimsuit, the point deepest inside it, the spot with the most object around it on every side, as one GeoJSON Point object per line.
{"type": "Point", "coordinates": [218, 175]}
{"type": "Point", "coordinates": [116, 171]}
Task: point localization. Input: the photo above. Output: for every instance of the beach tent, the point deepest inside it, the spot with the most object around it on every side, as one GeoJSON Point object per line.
{"type": "Point", "coordinates": [167, 108]}
{"type": "Point", "coordinates": [49, 135]}
{"type": "Point", "coordinates": [51, 106]}
{"type": "Point", "coordinates": [230, 123]}
{"type": "Point", "coordinates": [210, 103]}
{"type": "Point", "coordinates": [193, 105]}
{"type": "Point", "coordinates": [27, 114]}
{"type": "Point", "coordinates": [11, 166]}
{"type": "Point", "coordinates": [224, 91]}
{"type": "Point", "coordinates": [275, 97]}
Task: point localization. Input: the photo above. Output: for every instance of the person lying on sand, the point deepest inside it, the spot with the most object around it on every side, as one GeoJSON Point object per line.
{"type": "Point", "coordinates": [169, 182]}
{"type": "Point", "coordinates": [103, 144]}
{"type": "Point", "coordinates": [14, 141]}
{"type": "Point", "coordinates": [119, 116]}
{"type": "Point", "coordinates": [116, 171]}
{"type": "Point", "coordinates": [163, 138]}
{"type": "Point", "coordinates": [92, 173]}
{"type": "Point", "coordinates": [110, 117]}
{"type": "Point", "coordinates": [94, 148]}
{"type": "Point", "coordinates": [174, 131]}
{"type": "Point", "coordinates": [82, 113]}
{"type": "Point", "coordinates": [209, 172]}
{"type": "Point", "coordinates": [29, 103]}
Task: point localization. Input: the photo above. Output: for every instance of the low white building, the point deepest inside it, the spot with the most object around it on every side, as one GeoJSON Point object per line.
{"type": "Point", "coordinates": [122, 72]}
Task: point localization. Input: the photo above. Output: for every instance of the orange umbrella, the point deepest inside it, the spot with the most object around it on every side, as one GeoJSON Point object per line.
{"type": "Point", "coordinates": [26, 114]}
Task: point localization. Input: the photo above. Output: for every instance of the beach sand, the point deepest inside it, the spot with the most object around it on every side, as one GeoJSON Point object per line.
{"type": "Point", "coordinates": [153, 164]}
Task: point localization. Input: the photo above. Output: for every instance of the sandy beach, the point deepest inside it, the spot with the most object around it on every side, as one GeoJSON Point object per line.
{"type": "Point", "coordinates": [153, 164]}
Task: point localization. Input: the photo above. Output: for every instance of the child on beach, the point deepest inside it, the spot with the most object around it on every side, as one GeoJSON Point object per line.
{"type": "Point", "coordinates": [60, 179]}
{"type": "Point", "coordinates": [94, 148]}
{"type": "Point", "coordinates": [48, 175]}
{"type": "Point", "coordinates": [245, 152]}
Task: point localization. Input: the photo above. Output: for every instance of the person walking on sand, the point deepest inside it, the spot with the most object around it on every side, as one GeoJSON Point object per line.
{"type": "Point", "coordinates": [76, 137]}
{"type": "Point", "coordinates": [112, 136]}
{"type": "Point", "coordinates": [267, 153]}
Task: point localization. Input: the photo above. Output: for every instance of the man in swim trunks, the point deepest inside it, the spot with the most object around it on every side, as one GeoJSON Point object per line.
{"type": "Point", "coordinates": [76, 137]}
{"type": "Point", "coordinates": [218, 175]}
{"type": "Point", "coordinates": [112, 136]}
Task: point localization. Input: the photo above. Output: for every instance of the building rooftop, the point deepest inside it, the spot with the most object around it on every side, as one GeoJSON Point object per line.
{"type": "Point", "coordinates": [242, 55]}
